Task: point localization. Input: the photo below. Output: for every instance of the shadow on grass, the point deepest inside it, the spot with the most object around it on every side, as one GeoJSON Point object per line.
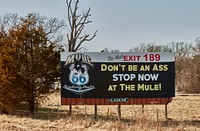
{"type": "Point", "coordinates": [53, 114]}
{"type": "Point", "coordinates": [42, 113]}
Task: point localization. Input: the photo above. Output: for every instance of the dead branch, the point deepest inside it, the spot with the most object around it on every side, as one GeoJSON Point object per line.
{"type": "Point", "coordinates": [77, 23]}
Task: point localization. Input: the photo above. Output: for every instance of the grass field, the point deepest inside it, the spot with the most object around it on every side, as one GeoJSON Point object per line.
{"type": "Point", "coordinates": [183, 115]}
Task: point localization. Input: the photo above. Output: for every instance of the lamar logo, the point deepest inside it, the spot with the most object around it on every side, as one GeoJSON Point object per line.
{"type": "Point", "coordinates": [78, 64]}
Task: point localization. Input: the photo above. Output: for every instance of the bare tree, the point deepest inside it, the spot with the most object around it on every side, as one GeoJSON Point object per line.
{"type": "Point", "coordinates": [77, 23]}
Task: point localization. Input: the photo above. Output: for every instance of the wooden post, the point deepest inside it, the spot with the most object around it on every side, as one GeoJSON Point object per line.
{"type": "Point", "coordinates": [70, 110]}
{"type": "Point", "coordinates": [95, 111]}
{"type": "Point", "coordinates": [165, 111]}
{"type": "Point", "coordinates": [119, 112]}
{"type": "Point", "coordinates": [157, 124]}
{"type": "Point", "coordinates": [157, 115]}
{"type": "Point", "coordinates": [85, 112]}
{"type": "Point", "coordinates": [142, 109]}
{"type": "Point", "coordinates": [108, 113]}
{"type": "Point", "coordinates": [57, 110]}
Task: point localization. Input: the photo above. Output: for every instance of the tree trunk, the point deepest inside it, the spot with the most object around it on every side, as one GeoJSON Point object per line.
{"type": "Point", "coordinates": [32, 102]}
{"type": "Point", "coordinates": [4, 111]}
{"type": "Point", "coordinates": [32, 107]}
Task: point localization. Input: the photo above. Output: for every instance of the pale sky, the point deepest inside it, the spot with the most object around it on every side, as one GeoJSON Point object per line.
{"type": "Point", "coordinates": [123, 24]}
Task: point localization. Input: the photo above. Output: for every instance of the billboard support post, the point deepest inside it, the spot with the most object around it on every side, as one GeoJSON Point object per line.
{"type": "Point", "coordinates": [85, 111]}
{"type": "Point", "coordinates": [108, 113]}
{"type": "Point", "coordinates": [166, 111]}
{"type": "Point", "coordinates": [142, 108]}
{"type": "Point", "coordinates": [119, 112]}
{"type": "Point", "coordinates": [95, 111]}
{"type": "Point", "coordinates": [70, 109]}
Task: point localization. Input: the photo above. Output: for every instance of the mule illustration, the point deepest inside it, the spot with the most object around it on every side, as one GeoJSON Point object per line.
{"type": "Point", "coordinates": [78, 73]}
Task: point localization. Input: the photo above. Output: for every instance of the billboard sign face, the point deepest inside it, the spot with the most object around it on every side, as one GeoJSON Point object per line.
{"type": "Point", "coordinates": [117, 75]}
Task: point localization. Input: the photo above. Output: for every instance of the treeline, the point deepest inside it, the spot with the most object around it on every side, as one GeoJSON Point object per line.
{"type": "Point", "coordinates": [29, 59]}
{"type": "Point", "coordinates": [187, 63]}
{"type": "Point", "coordinates": [187, 69]}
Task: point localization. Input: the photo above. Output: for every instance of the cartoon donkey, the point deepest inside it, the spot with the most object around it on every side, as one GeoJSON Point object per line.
{"type": "Point", "coordinates": [78, 72]}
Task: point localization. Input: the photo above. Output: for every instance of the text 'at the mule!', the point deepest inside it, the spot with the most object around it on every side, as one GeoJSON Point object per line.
{"type": "Point", "coordinates": [117, 75]}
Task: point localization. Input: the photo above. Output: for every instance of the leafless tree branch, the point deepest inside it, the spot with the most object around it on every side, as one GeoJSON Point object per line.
{"type": "Point", "coordinates": [77, 23]}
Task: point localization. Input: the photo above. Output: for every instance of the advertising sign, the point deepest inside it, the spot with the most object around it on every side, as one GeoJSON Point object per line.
{"type": "Point", "coordinates": [117, 75]}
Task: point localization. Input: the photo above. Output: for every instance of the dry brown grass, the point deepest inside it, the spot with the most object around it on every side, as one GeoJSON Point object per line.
{"type": "Point", "coordinates": [183, 114]}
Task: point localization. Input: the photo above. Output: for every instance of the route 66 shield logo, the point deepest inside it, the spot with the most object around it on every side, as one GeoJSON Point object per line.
{"type": "Point", "coordinates": [78, 75]}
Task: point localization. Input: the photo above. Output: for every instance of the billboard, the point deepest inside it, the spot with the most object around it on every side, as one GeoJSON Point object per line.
{"type": "Point", "coordinates": [117, 75]}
